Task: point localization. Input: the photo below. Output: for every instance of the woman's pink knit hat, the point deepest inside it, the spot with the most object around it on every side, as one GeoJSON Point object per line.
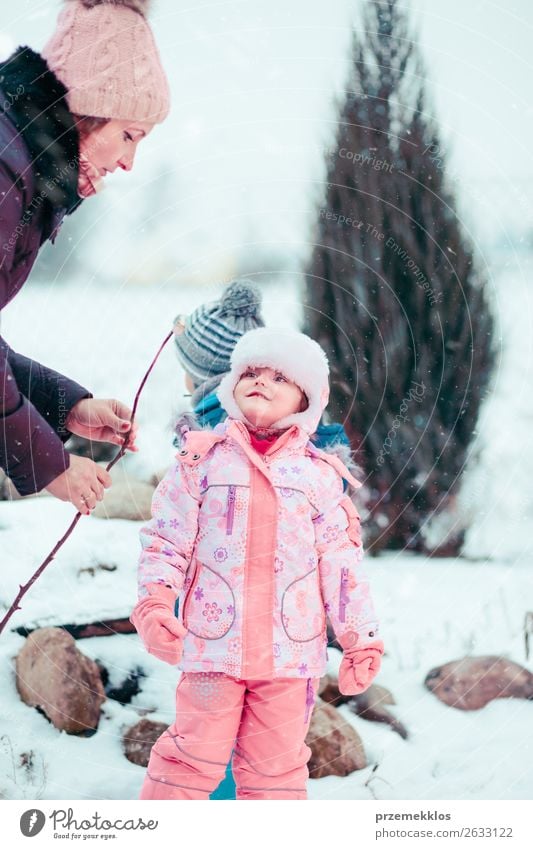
{"type": "Point", "coordinates": [104, 52]}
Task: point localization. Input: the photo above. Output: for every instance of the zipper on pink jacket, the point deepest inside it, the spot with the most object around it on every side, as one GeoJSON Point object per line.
{"type": "Point", "coordinates": [344, 597]}
{"type": "Point", "coordinates": [230, 511]}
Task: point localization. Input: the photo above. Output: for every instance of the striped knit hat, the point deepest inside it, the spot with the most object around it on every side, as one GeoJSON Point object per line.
{"type": "Point", "coordinates": [206, 338]}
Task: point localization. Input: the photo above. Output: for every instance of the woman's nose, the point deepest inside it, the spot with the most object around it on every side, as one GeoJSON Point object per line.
{"type": "Point", "coordinates": [126, 161]}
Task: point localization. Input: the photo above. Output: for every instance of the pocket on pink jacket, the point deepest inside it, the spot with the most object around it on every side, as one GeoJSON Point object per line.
{"type": "Point", "coordinates": [302, 611]}
{"type": "Point", "coordinates": [209, 610]}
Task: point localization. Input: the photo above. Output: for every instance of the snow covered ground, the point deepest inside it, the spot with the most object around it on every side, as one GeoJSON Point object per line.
{"type": "Point", "coordinates": [431, 611]}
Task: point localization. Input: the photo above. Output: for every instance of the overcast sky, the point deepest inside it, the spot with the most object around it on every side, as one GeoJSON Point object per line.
{"type": "Point", "coordinates": [248, 77]}
{"type": "Point", "coordinates": [479, 59]}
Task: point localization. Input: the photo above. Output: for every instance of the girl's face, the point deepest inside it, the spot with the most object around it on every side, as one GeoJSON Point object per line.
{"type": "Point", "coordinates": [109, 147]}
{"type": "Point", "coordinates": [265, 396]}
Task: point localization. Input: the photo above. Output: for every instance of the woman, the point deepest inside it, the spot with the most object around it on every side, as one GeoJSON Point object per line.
{"type": "Point", "coordinates": [67, 118]}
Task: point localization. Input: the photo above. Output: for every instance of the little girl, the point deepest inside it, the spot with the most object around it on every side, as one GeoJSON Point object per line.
{"type": "Point", "coordinates": [252, 533]}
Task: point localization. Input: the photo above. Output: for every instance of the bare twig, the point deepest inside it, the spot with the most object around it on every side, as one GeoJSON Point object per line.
{"type": "Point", "coordinates": [23, 588]}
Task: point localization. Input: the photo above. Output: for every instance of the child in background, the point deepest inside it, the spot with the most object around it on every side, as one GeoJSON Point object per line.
{"type": "Point", "coordinates": [252, 532]}
{"type": "Point", "coordinates": [205, 340]}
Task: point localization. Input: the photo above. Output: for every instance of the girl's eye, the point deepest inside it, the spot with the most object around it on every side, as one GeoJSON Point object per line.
{"type": "Point", "coordinates": [281, 377]}
{"type": "Point", "coordinates": [249, 374]}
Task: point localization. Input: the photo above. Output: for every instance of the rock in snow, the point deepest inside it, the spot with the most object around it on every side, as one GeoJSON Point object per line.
{"type": "Point", "coordinates": [371, 705]}
{"type": "Point", "coordinates": [132, 500]}
{"type": "Point", "coordinates": [472, 682]}
{"type": "Point", "coordinates": [139, 739]}
{"type": "Point", "coordinates": [335, 745]}
{"type": "Point", "coordinates": [53, 675]}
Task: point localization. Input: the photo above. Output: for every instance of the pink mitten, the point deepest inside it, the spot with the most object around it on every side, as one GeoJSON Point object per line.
{"type": "Point", "coordinates": [359, 666]}
{"type": "Point", "coordinates": [159, 629]}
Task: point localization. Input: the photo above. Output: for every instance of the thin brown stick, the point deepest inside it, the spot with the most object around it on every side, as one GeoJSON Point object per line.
{"type": "Point", "coordinates": [23, 588]}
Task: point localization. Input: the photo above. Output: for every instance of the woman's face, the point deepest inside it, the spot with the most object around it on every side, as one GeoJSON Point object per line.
{"type": "Point", "coordinates": [109, 147]}
{"type": "Point", "coordinates": [265, 396]}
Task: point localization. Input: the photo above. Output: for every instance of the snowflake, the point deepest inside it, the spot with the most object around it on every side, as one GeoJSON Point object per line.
{"type": "Point", "coordinates": [161, 523]}
{"type": "Point", "coordinates": [198, 593]}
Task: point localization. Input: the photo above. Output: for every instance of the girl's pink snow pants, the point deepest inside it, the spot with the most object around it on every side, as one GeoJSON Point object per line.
{"type": "Point", "coordinates": [266, 721]}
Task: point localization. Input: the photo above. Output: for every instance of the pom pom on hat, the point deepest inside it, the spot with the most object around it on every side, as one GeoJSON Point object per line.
{"type": "Point", "coordinates": [241, 298]}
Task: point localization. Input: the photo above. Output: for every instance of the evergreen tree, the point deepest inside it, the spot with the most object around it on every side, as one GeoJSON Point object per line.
{"type": "Point", "coordinates": [395, 294]}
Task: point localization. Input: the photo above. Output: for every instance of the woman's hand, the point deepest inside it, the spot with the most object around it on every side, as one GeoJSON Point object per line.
{"type": "Point", "coordinates": [102, 420]}
{"type": "Point", "coordinates": [82, 484]}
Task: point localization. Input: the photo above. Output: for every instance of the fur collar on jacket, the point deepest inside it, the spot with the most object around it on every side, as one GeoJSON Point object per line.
{"type": "Point", "coordinates": [35, 102]}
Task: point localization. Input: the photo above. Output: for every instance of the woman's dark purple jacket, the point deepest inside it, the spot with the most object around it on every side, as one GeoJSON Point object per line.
{"type": "Point", "coordinates": [38, 186]}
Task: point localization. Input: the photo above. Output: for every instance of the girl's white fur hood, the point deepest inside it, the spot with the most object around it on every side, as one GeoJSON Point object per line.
{"type": "Point", "coordinates": [296, 356]}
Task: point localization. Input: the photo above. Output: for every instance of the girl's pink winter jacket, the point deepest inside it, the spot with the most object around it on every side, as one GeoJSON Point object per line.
{"type": "Point", "coordinates": [259, 548]}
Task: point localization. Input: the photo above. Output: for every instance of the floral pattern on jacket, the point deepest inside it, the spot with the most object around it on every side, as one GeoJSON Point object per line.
{"type": "Point", "coordinates": [198, 542]}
